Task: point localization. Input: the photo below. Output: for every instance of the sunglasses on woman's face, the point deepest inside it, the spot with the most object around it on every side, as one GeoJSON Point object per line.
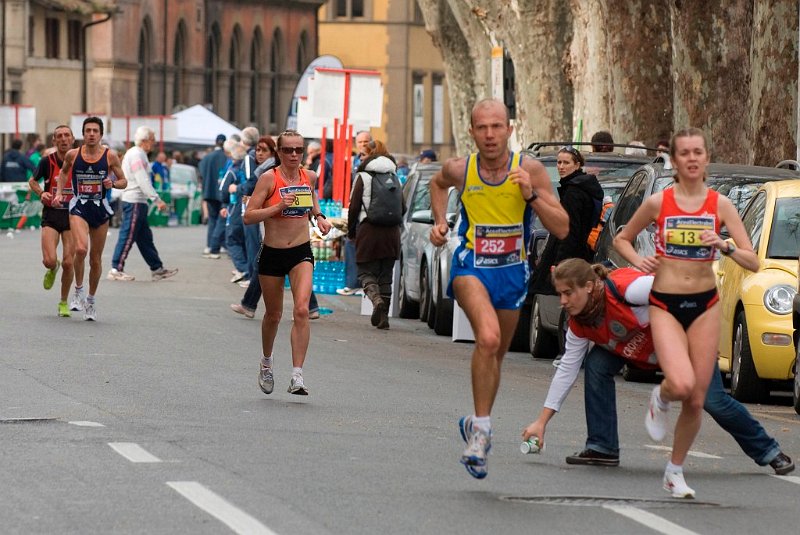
{"type": "Point", "coordinates": [290, 150]}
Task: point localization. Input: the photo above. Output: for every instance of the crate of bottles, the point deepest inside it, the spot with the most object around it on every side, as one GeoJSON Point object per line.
{"type": "Point", "coordinates": [328, 276]}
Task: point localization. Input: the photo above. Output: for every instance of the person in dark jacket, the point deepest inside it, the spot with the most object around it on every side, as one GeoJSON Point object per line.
{"type": "Point", "coordinates": [377, 247]}
{"type": "Point", "coordinates": [582, 197]}
{"type": "Point", "coordinates": [15, 165]}
{"type": "Point", "coordinates": [211, 167]}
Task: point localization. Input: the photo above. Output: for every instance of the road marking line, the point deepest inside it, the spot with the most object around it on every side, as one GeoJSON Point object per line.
{"type": "Point", "coordinates": [654, 522]}
{"type": "Point", "coordinates": [134, 452]}
{"type": "Point", "coordinates": [692, 453]}
{"type": "Point", "coordinates": [221, 509]}
{"type": "Point", "coordinates": [790, 479]}
{"type": "Point", "coordinates": [81, 423]}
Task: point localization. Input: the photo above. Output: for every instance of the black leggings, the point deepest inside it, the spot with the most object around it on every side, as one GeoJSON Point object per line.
{"type": "Point", "coordinates": [684, 307]}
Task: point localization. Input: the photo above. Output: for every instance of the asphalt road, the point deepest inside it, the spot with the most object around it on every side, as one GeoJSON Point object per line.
{"type": "Point", "coordinates": [150, 420]}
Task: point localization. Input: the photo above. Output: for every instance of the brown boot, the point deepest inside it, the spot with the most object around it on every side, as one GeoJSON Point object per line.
{"type": "Point", "coordinates": [383, 318]}
{"type": "Point", "coordinates": [374, 294]}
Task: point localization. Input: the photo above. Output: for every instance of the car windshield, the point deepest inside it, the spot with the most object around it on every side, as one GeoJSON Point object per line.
{"type": "Point", "coordinates": [601, 169]}
{"type": "Point", "coordinates": [738, 189]}
{"type": "Point", "coordinates": [784, 239]}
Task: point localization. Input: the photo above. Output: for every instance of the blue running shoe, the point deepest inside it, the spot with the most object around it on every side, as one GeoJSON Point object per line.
{"type": "Point", "coordinates": [479, 443]}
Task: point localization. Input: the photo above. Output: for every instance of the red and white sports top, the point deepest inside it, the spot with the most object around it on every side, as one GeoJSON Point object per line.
{"type": "Point", "coordinates": [678, 232]}
{"type": "Point", "coordinates": [303, 201]}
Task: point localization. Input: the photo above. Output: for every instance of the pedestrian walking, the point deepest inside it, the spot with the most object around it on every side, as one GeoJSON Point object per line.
{"type": "Point", "coordinates": [373, 221]}
{"type": "Point", "coordinates": [500, 190]}
{"type": "Point", "coordinates": [684, 304]}
{"type": "Point", "coordinates": [135, 228]}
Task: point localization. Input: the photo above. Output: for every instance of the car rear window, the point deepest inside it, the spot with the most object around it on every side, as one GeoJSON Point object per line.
{"type": "Point", "coordinates": [784, 239]}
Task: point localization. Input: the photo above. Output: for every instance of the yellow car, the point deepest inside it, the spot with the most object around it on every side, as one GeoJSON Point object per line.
{"type": "Point", "coordinates": [756, 344]}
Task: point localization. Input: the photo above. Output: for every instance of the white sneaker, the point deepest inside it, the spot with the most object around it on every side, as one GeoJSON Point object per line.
{"type": "Point", "coordinates": [212, 256]}
{"type": "Point", "coordinates": [676, 485]}
{"type": "Point", "coordinates": [346, 291]}
{"type": "Point", "coordinates": [656, 418]}
{"type": "Point", "coordinates": [207, 250]}
{"type": "Point", "coordinates": [296, 386]}
{"type": "Point", "coordinates": [89, 312]}
{"type": "Point", "coordinates": [237, 276]}
{"type": "Point", "coordinates": [77, 302]}
{"type": "Point", "coordinates": [265, 380]}
{"type": "Point", "coordinates": [116, 275]}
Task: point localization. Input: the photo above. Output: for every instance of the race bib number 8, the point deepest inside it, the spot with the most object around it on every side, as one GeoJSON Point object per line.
{"type": "Point", "coordinates": [303, 201]}
{"type": "Point", "coordinates": [498, 245]}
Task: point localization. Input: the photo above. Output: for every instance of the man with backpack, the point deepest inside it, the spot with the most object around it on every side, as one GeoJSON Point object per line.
{"type": "Point", "coordinates": [373, 220]}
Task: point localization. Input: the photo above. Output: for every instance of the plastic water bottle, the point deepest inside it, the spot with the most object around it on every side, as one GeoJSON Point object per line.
{"type": "Point", "coordinates": [532, 445]}
{"type": "Point", "coordinates": [338, 209]}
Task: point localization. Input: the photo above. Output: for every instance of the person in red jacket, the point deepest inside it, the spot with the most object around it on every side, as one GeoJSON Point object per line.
{"type": "Point", "coordinates": [610, 309]}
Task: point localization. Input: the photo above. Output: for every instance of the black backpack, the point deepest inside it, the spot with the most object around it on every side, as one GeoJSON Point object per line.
{"type": "Point", "coordinates": [386, 202]}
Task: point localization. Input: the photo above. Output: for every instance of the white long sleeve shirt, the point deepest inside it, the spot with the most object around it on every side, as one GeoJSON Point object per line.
{"type": "Point", "coordinates": [136, 167]}
{"type": "Point", "coordinates": [576, 348]}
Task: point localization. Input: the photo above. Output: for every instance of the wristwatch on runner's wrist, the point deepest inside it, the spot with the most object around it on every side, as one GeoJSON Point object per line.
{"type": "Point", "coordinates": [533, 197]}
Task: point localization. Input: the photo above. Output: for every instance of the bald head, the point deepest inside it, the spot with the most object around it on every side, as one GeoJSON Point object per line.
{"type": "Point", "coordinates": [490, 105]}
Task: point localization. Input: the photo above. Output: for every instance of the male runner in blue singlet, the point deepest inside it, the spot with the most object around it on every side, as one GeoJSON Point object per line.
{"type": "Point", "coordinates": [91, 167]}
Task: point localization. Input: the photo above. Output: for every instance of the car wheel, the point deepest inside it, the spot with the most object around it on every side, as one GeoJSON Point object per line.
{"type": "Point", "coordinates": [408, 309]}
{"type": "Point", "coordinates": [633, 374]}
{"type": "Point", "coordinates": [425, 300]}
{"type": "Point", "coordinates": [543, 343]}
{"type": "Point", "coordinates": [796, 389]}
{"type": "Point", "coordinates": [745, 383]}
{"type": "Point", "coordinates": [432, 307]}
{"type": "Point", "coordinates": [443, 313]}
{"type": "Point", "coordinates": [522, 335]}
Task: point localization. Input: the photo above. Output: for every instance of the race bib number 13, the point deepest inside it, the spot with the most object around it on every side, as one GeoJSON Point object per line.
{"type": "Point", "coordinates": [682, 237]}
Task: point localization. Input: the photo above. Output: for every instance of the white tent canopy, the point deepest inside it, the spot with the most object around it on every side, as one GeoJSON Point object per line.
{"type": "Point", "coordinates": [199, 126]}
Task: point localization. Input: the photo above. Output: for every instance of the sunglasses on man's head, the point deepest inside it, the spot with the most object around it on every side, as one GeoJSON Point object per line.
{"type": "Point", "coordinates": [289, 150]}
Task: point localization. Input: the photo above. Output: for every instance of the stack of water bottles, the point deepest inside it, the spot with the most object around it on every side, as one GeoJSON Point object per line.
{"type": "Point", "coordinates": [328, 276]}
{"type": "Point", "coordinates": [331, 208]}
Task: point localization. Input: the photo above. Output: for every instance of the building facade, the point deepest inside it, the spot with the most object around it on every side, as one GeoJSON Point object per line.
{"type": "Point", "coordinates": [241, 58]}
{"type": "Point", "coordinates": [389, 36]}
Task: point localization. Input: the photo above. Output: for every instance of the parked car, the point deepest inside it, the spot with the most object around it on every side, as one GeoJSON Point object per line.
{"type": "Point", "coordinates": [416, 251]}
{"type": "Point", "coordinates": [540, 329]}
{"type": "Point", "coordinates": [738, 182]}
{"type": "Point", "coordinates": [442, 310]}
{"type": "Point", "coordinates": [756, 337]}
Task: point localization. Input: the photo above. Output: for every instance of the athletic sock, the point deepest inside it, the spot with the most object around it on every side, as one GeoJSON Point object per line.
{"type": "Point", "coordinates": [661, 403]}
{"type": "Point", "coordinates": [266, 362]}
{"type": "Point", "coordinates": [90, 299]}
{"type": "Point", "coordinates": [674, 468]}
{"type": "Point", "coordinates": [297, 371]}
{"type": "Point", "coordinates": [484, 423]}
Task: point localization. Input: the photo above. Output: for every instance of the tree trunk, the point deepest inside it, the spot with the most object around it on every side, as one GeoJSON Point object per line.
{"type": "Point", "coordinates": [465, 52]}
{"type": "Point", "coordinates": [711, 63]}
{"type": "Point", "coordinates": [638, 70]}
{"type": "Point", "coordinates": [535, 33]}
{"type": "Point", "coordinates": [773, 86]}
{"type": "Point", "coordinates": [587, 68]}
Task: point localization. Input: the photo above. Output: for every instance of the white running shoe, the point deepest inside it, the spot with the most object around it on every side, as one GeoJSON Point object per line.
{"type": "Point", "coordinates": [297, 387]}
{"type": "Point", "coordinates": [89, 312]}
{"type": "Point", "coordinates": [116, 275]}
{"type": "Point", "coordinates": [479, 444]}
{"type": "Point", "coordinates": [676, 485]}
{"type": "Point", "coordinates": [77, 302]}
{"type": "Point", "coordinates": [656, 418]}
{"type": "Point", "coordinates": [237, 276]}
{"type": "Point", "coordinates": [265, 380]}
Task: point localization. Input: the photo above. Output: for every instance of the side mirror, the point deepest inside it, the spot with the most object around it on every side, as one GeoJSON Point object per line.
{"type": "Point", "coordinates": [422, 216]}
{"type": "Point", "coordinates": [537, 247]}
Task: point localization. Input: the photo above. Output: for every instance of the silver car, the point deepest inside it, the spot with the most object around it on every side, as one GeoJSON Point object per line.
{"type": "Point", "coordinates": [414, 242]}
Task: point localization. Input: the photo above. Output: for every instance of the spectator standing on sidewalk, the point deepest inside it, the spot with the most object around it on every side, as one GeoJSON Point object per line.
{"type": "Point", "coordinates": [135, 228]}
{"type": "Point", "coordinates": [235, 176]}
{"type": "Point", "coordinates": [210, 167]}
{"type": "Point", "coordinates": [15, 165]}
